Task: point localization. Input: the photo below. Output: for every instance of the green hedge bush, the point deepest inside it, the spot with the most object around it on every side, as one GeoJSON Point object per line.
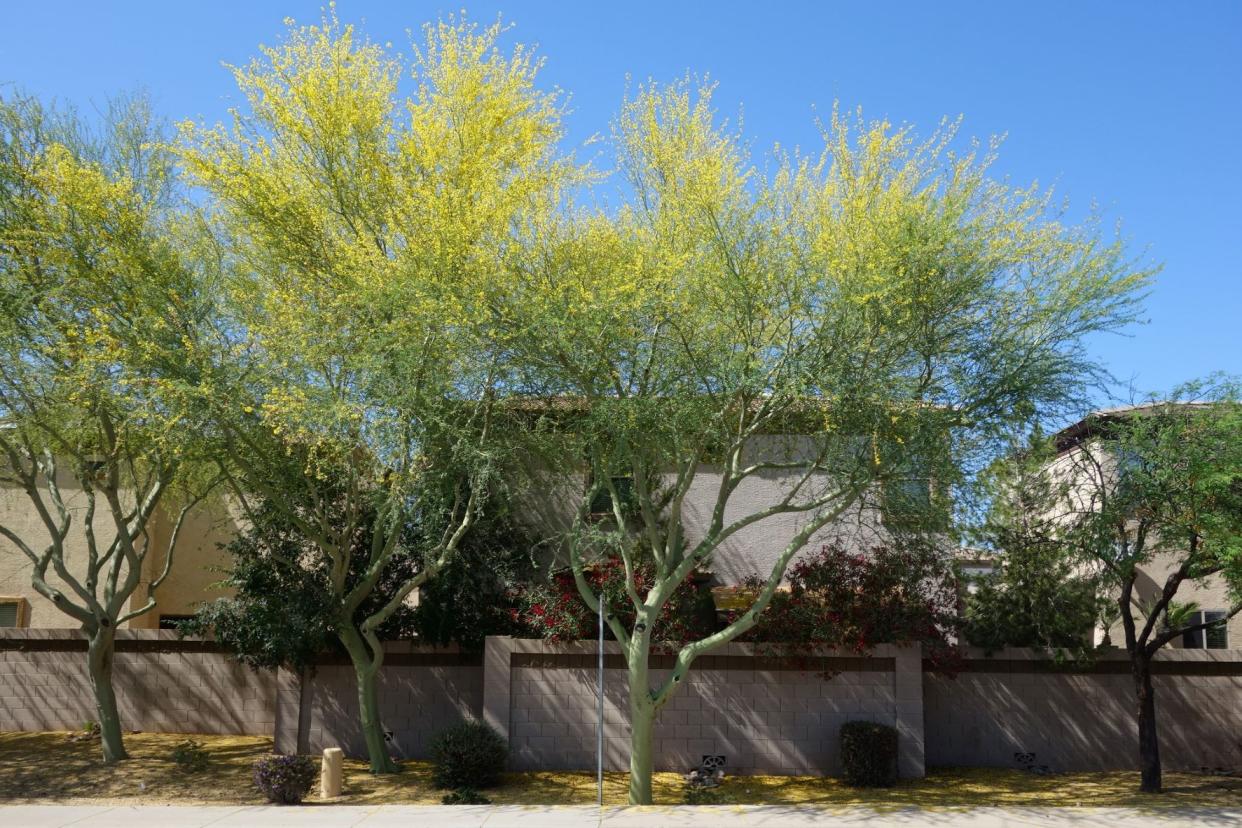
{"type": "Point", "coordinates": [468, 755]}
{"type": "Point", "coordinates": [869, 754]}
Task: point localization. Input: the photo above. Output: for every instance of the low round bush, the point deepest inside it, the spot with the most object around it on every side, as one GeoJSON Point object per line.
{"type": "Point", "coordinates": [190, 756]}
{"type": "Point", "coordinates": [285, 780]}
{"type": "Point", "coordinates": [869, 754]}
{"type": "Point", "coordinates": [468, 755]}
{"type": "Point", "coordinates": [465, 796]}
{"type": "Point", "coordinates": [703, 795]}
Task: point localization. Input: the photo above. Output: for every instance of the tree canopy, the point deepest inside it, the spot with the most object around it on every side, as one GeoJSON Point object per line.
{"type": "Point", "coordinates": [364, 231]}
{"type": "Point", "coordinates": [1127, 496]}
{"type": "Point", "coordinates": [882, 311]}
{"type": "Point", "coordinates": [101, 304]}
{"type": "Point", "coordinates": [416, 300]}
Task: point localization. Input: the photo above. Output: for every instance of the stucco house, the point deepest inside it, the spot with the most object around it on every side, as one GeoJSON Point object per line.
{"type": "Point", "coordinates": [196, 565]}
{"type": "Point", "coordinates": [1079, 448]}
{"type": "Point", "coordinates": [199, 561]}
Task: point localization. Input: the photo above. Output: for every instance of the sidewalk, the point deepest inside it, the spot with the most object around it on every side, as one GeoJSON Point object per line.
{"type": "Point", "coordinates": [516, 816]}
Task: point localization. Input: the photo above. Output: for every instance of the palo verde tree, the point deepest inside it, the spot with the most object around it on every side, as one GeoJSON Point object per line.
{"type": "Point", "coordinates": [871, 315]}
{"type": "Point", "coordinates": [97, 307]}
{"type": "Point", "coordinates": [363, 230]}
{"type": "Point", "coordinates": [1155, 488]}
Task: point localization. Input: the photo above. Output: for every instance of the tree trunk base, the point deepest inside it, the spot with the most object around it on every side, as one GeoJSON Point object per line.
{"type": "Point", "coordinates": [642, 726]}
{"type": "Point", "coordinates": [366, 672]}
{"type": "Point", "coordinates": [99, 658]}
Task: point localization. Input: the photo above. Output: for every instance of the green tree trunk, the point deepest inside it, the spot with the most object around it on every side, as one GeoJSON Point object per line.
{"type": "Point", "coordinates": [642, 727]}
{"type": "Point", "coordinates": [99, 655]}
{"type": "Point", "coordinates": [642, 722]}
{"type": "Point", "coordinates": [366, 672]}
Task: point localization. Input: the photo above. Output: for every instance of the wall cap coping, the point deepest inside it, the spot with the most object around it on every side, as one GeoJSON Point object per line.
{"type": "Point", "coordinates": [126, 634]}
{"type": "Point", "coordinates": [588, 647]}
{"type": "Point", "coordinates": [1112, 654]}
{"type": "Point", "coordinates": [733, 648]}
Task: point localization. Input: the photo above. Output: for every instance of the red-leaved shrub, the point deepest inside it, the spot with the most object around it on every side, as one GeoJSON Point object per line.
{"type": "Point", "coordinates": [851, 601]}
{"type": "Point", "coordinates": [555, 611]}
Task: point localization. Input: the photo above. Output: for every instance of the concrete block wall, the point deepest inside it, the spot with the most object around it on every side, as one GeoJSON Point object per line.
{"type": "Point", "coordinates": [765, 715]}
{"type": "Point", "coordinates": [168, 684]}
{"type": "Point", "coordinates": [422, 691]}
{"type": "Point", "coordinates": [1083, 717]}
{"type": "Point", "coordinates": [162, 683]}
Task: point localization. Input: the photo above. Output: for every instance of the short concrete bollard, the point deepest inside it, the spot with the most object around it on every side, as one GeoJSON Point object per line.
{"type": "Point", "coordinates": [330, 773]}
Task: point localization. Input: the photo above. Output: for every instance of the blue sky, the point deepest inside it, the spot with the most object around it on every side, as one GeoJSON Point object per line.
{"type": "Point", "coordinates": [1135, 107]}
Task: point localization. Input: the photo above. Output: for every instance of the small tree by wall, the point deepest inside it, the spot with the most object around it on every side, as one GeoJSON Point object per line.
{"type": "Point", "coordinates": [1163, 481]}
{"type": "Point", "coordinates": [98, 308]}
{"type": "Point", "coordinates": [1039, 594]}
{"type": "Point", "coordinates": [284, 609]}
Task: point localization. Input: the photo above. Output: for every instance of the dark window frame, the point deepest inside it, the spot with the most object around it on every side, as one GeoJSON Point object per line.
{"type": "Point", "coordinates": [20, 616]}
{"type": "Point", "coordinates": [1213, 638]}
{"type": "Point", "coordinates": [601, 503]}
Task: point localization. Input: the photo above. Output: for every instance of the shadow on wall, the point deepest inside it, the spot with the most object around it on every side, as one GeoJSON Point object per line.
{"type": "Point", "coordinates": [417, 701]}
{"type": "Point", "coordinates": [194, 693]}
{"type": "Point", "coordinates": [45, 691]}
{"type": "Point", "coordinates": [1078, 721]}
{"type": "Point", "coordinates": [778, 721]}
{"type": "Point", "coordinates": [45, 686]}
{"type": "Point", "coordinates": [763, 718]}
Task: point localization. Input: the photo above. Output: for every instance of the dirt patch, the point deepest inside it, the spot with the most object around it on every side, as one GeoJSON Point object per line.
{"type": "Point", "coordinates": [47, 767]}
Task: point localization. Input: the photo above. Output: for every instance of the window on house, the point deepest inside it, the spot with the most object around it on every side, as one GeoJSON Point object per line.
{"type": "Point", "coordinates": [12, 612]}
{"type": "Point", "coordinates": [1129, 461]}
{"type": "Point", "coordinates": [973, 574]}
{"type": "Point", "coordinates": [909, 493]}
{"type": "Point", "coordinates": [910, 498]}
{"type": "Point", "coordinates": [1213, 638]}
{"type": "Point", "coordinates": [601, 501]}
{"type": "Point", "coordinates": [907, 502]}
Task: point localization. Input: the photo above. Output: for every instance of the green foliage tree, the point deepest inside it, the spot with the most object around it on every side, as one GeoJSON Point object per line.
{"type": "Point", "coordinates": [282, 611]}
{"type": "Point", "coordinates": [98, 301]}
{"type": "Point", "coordinates": [880, 312]}
{"type": "Point", "coordinates": [1157, 486]}
{"type": "Point", "coordinates": [472, 597]}
{"type": "Point", "coordinates": [1039, 595]}
{"type": "Point", "coordinates": [362, 231]}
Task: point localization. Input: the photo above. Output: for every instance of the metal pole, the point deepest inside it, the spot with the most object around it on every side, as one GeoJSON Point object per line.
{"type": "Point", "coordinates": [599, 731]}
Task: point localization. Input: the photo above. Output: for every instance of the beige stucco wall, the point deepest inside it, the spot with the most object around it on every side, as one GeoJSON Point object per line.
{"type": "Point", "coordinates": [194, 564]}
{"type": "Point", "coordinates": [548, 502]}
{"type": "Point", "coordinates": [1208, 593]}
{"type": "Point", "coordinates": [19, 516]}
{"type": "Point", "coordinates": [199, 563]}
